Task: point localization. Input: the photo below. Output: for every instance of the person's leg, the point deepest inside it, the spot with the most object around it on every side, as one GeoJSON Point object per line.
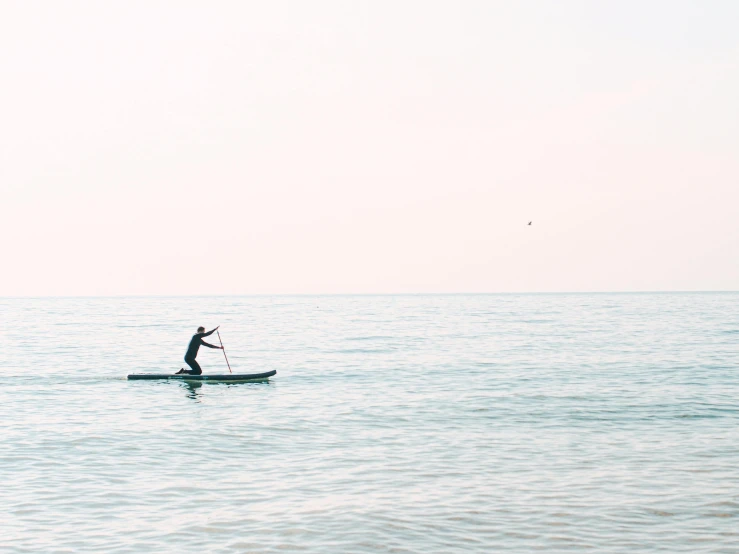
{"type": "Point", "coordinates": [196, 370]}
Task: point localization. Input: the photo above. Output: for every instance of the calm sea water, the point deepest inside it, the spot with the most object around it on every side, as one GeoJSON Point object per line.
{"type": "Point", "coordinates": [481, 423]}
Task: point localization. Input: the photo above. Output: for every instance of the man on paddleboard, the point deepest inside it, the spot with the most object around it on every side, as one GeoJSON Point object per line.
{"type": "Point", "coordinates": [192, 351]}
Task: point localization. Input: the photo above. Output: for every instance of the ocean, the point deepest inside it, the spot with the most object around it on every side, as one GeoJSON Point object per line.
{"type": "Point", "coordinates": [404, 424]}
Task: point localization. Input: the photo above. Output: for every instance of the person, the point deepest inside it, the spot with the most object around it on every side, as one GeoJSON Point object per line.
{"type": "Point", "coordinates": [192, 351]}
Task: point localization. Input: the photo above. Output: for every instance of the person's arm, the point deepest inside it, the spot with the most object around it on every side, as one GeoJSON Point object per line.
{"type": "Point", "coordinates": [210, 332]}
{"type": "Point", "coordinates": [209, 345]}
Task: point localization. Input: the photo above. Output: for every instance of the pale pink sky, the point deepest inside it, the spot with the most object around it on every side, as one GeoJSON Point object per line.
{"type": "Point", "coordinates": [162, 147]}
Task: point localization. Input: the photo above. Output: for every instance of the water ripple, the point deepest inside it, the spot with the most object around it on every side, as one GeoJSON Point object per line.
{"type": "Point", "coordinates": [480, 423]}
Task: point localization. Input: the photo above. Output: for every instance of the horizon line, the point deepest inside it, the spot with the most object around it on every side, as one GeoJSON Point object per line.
{"type": "Point", "coordinates": [338, 294]}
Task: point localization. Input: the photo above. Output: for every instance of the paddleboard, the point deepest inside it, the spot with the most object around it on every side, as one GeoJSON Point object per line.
{"type": "Point", "coordinates": [226, 378]}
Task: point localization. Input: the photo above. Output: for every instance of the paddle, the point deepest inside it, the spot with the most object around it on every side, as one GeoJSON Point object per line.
{"type": "Point", "coordinates": [224, 351]}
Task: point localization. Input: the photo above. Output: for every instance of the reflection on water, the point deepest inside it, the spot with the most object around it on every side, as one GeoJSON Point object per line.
{"type": "Point", "coordinates": [192, 388]}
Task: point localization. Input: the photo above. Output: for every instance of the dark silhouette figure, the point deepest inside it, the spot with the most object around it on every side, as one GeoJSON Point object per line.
{"type": "Point", "coordinates": [192, 351]}
{"type": "Point", "coordinates": [529, 223]}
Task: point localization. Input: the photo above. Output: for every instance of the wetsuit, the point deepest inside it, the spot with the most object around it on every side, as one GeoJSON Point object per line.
{"type": "Point", "coordinates": [192, 351]}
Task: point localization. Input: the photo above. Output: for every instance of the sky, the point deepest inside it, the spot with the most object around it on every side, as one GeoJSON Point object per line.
{"type": "Point", "coordinates": [334, 146]}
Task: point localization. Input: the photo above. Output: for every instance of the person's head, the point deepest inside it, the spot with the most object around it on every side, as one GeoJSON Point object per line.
{"type": "Point", "coordinates": [201, 329]}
